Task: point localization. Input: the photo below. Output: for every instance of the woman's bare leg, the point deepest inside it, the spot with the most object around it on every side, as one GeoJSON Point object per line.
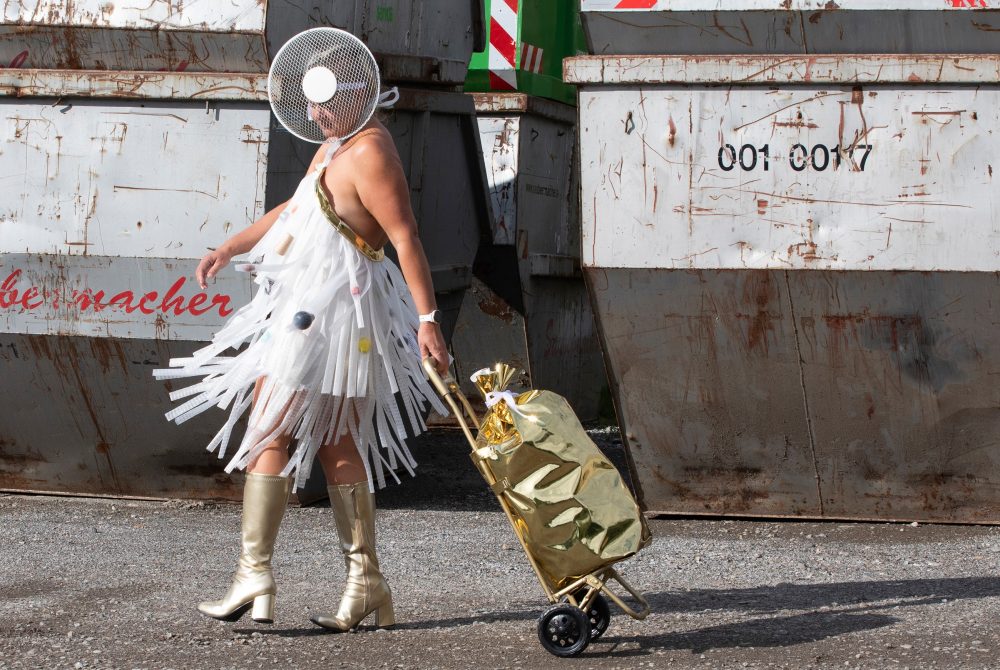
{"type": "Point", "coordinates": [341, 462]}
{"type": "Point", "coordinates": [273, 459]}
{"type": "Point", "coordinates": [353, 507]}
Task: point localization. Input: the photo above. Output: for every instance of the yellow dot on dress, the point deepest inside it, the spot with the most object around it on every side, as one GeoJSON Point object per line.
{"type": "Point", "coordinates": [364, 345]}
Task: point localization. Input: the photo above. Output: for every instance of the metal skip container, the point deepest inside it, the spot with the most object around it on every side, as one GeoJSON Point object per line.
{"type": "Point", "coordinates": [120, 175]}
{"type": "Point", "coordinates": [528, 296]}
{"type": "Point", "coordinates": [794, 258]}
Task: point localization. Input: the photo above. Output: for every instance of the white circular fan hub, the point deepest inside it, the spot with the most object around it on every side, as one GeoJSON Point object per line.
{"type": "Point", "coordinates": [323, 85]}
{"type": "Point", "coordinates": [319, 84]}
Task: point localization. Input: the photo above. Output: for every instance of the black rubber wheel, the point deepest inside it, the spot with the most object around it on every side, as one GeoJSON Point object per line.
{"type": "Point", "coordinates": [564, 630]}
{"type": "Point", "coordinates": [599, 614]}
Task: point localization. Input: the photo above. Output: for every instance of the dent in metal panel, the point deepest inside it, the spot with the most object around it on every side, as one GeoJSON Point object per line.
{"type": "Point", "coordinates": [861, 178]}
{"type": "Point", "coordinates": [115, 179]}
{"type": "Point", "coordinates": [106, 296]}
{"type": "Point", "coordinates": [488, 331]}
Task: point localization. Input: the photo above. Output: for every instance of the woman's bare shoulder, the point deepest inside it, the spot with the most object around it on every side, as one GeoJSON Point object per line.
{"type": "Point", "coordinates": [375, 147]}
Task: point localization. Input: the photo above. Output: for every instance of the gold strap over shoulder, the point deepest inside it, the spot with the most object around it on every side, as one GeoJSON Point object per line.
{"type": "Point", "coordinates": [343, 228]}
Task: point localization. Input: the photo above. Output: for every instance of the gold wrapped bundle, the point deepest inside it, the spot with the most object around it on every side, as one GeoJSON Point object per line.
{"type": "Point", "coordinates": [570, 506]}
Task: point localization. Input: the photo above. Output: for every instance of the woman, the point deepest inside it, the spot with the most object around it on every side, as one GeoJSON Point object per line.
{"type": "Point", "coordinates": [332, 362]}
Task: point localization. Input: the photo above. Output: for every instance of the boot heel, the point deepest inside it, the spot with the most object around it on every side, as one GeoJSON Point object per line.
{"type": "Point", "coordinates": [263, 609]}
{"type": "Point", "coordinates": [384, 616]}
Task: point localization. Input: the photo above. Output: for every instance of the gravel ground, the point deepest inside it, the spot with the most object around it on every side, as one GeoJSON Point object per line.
{"type": "Point", "coordinates": [99, 583]}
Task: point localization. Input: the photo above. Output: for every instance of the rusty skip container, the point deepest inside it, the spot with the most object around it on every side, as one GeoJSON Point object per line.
{"type": "Point", "coordinates": [428, 42]}
{"type": "Point", "coordinates": [116, 182]}
{"type": "Point", "coordinates": [529, 306]}
{"type": "Point", "coordinates": [766, 27]}
{"type": "Point", "coordinates": [794, 264]}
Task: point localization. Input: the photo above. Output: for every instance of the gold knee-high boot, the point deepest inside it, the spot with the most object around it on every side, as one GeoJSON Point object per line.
{"type": "Point", "coordinates": [264, 500]}
{"type": "Point", "coordinates": [353, 508]}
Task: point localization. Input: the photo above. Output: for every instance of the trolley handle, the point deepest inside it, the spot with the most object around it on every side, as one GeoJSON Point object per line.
{"type": "Point", "coordinates": [449, 390]}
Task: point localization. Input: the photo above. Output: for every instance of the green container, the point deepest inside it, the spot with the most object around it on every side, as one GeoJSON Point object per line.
{"type": "Point", "coordinates": [544, 32]}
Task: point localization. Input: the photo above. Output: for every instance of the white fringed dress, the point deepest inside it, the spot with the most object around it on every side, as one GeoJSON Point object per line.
{"type": "Point", "coordinates": [355, 370]}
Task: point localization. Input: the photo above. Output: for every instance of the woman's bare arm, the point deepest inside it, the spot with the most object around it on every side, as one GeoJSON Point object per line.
{"type": "Point", "coordinates": [383, 191]}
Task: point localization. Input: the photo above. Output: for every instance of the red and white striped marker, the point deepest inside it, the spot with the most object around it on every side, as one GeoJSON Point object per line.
{"type": "Point", "coordinates": [503, 45]}
{"type": "Point", "coordinates": [531, 58]}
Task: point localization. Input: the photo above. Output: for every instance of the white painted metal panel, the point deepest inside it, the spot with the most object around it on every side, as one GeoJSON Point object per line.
{"type": "Point", "coordinates": [874, 178]}
{"type": "Point", "coordinates": [117, 179]}
{"type": "Point", "coordinates": [499, 138]}
{"type": "Point", "coordinates": [102, 296]}
{"type": "Point", "coordinates": [135, 35]}
{"type": "Point", "coordinates": [233, 15]}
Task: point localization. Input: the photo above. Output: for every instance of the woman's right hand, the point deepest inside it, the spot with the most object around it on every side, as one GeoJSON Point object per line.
{"type": "Point", "coordinates": [210, 265]}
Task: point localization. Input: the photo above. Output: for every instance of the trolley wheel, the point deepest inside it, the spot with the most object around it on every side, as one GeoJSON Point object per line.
{"type": "Point", "coordinates": [564, 630]}
{"type": "Point", "coordinates": [599, 614]}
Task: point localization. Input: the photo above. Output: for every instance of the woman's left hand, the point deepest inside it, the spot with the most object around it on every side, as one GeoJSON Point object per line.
{"type": "Point", "coordinates": [431, 342]}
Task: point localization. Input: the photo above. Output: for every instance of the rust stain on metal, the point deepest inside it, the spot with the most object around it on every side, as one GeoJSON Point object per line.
{"type": "Point", "coordinates": [495, 306]}
{"type": "Point", "coordinates": [106, 349]}
{"type": "Point", "coordinates": [64, 361]}
{"type": "Point", "coordinates": [759, 291]}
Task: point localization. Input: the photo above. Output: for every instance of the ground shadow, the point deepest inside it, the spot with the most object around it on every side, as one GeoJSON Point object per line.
{"type": "Point", "coordinates": [859, 604]}
{"type": "Point", "coordinates": [814, 596]}
{"type": "Point", "coordinates": [424, 624]}
{"type": "Point", "coordinates": [770, 632]}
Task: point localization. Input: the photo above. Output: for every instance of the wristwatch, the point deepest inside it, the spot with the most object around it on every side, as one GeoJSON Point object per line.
{"type": "Point", "coordinates": [432, 317]}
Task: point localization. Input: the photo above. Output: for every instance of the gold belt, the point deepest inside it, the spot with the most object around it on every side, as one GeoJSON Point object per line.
{"type": "Point", "coordinates": [343, 228]}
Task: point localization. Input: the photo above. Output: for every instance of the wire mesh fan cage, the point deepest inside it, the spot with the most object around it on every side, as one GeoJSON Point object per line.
{"type": "Point", "coordinates": [323, 85]}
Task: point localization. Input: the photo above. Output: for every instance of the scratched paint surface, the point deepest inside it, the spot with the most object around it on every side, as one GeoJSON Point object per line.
{"type": "Point", "coordinates": [232, 36]}
{"type": "Point", "coordinates": [800, 177]}
{"type": "Point", "coordinates": [633, 6]}
{"type": "Point", "coordinates": [108, 296]}
{"type": "Point", "coordinates": [791, 26]}
{"type": "Point", "coordinates": [135, 35]}
{"type": "Point", "coordinates": [152, 180]}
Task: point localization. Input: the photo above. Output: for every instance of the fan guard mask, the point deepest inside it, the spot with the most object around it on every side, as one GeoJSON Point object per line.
{"type": "Point", "coordinates": [324, 85]}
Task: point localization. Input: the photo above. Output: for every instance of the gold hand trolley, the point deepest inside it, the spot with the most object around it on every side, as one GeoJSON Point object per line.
{"type": "Point", "coordinates": [578, 613]}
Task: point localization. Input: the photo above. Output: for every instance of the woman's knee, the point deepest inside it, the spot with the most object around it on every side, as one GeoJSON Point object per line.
{"type": "Point", "coordinates": [272, 459]}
